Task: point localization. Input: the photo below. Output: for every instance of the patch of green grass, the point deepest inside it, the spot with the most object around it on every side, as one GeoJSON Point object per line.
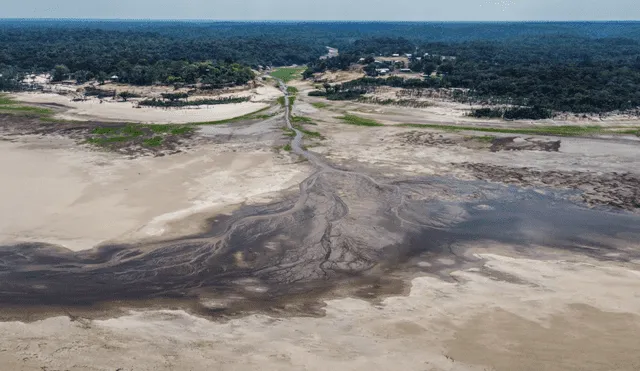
{"type": "Point", "coordinates": [630, 131]}
{"type": "Point", "coordinates": [292, 100]}
{"type": "Point", "coordinates": [153, 142]}
{"type": "Point", "coordinates": [179, 129]}
{"type": "Point", "coordinates": [280, 101]}
{"type": "Point", "coordinates": [10, 106]}
{"type": "Point", "coordinates": [359, 121]}
{"type": "Point", "coordinates": [132, 130]}
{"type": "Point", "coordinates": [145, 135]}
{"type": "Point", "coordinates": [287, 74]}
{"type": "Point", "coordinates": [319, 105]}
{"type": "Point", "coordinates": [484, 138]}
{"type": "Point", "coordinates": [561, 130]}
{"type": "Point", "coordinates": [248, 116]}
{"type": "Point", "coordinates": [263, 117]}
{"type": "Point", "coordinates": [28, 110]}
{"type": "Point", "coordinates": [292, 90]}
{"type": "Point", "coordinates": [288, 132]}
{"type": "Point", "coordinates": [287, 147]}
{"type": "Point", "coordinates": [105, 130]}
{"type": "Point", "coordinates": [4, 100]}
{"type": "Point", "coordinates": [309, 133]}
{"type": "Point", "coordinates": [306, 120]}
{"type": "Point", "coordinates": [160, 129]}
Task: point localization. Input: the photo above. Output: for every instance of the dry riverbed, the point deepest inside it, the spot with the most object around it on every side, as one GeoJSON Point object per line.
{"type": "Point", "coordinates": [411, 248]}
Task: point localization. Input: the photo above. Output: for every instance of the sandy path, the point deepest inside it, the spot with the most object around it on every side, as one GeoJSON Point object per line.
{"type": "Point", "coordinates": [54, 191]}
{"type": "Point", "coordinates": [126, 111]}
{"type": "Point", "coordinates": [553, 315]}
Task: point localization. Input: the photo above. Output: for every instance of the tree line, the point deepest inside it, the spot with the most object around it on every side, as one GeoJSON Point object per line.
{"type": "Point", "coordinates": [560, 73]}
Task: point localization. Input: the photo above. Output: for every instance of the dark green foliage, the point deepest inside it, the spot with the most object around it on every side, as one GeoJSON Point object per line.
{"type": "Point", "coordinates": [60, 72]}
{"type": "Point", "coordinates": [530, 113]}
{"type": "Point", "coordinates": [10, 77]}
{"type": "Point", "coordinates": [487, 113]}
{"type": "Point", "coordinates": [174, 96]}
{"type": "Point", "coordinates": [346, 95]}
{"type": "Point", "coordinates": [127, 94]}
{"type": "Point", "coordinates": [198, 102]}
{"type": "Point", "coordinates": [578, 67]}
{"type": "Point", "coordinates": [317, 93]}
{"type": "Point", "coordinates": [99, 93]}
{"type": "Point", "coordinates": [341, 62]}
{"type": "Point", "coordinates": [560, 130]}
{"type": "Point", "coordinates": [513, 113]}
{"type": "Point", "coordinates": [396, 102]}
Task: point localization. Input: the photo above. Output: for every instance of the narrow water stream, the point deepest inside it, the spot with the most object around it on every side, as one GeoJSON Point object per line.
{"type": "Point", "coordinates": [343, 226]}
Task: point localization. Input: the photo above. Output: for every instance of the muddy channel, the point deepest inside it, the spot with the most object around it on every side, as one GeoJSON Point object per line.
{"type": "Point", "coordinates": [345, 232]}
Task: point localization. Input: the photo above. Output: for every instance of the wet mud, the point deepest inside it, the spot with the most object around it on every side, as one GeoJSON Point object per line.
{"type": "Point", "coordinates": [486, 142]}
{"type": "Point", "coordinates": [344, 233]}
{"type": "Point", "coordinates": [618, 190]}
{"type": "Point", "coordinates": [343, 229]}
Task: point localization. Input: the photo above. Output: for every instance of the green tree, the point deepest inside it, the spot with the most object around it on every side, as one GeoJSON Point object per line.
{"type": "Point", "coordinates": [60, 72]}
{"type": "Point", "coordinates": [125, 95]}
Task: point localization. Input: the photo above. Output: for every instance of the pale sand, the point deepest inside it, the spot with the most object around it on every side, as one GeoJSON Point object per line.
{"type": "Point", "coordinates": [55, 191]}
{"type": "Point", "coordinates": [127, 111]}
{"type": "Point", "coordinates": [561, 315]}
{"type": "Point", "coordinates": [443, 111]}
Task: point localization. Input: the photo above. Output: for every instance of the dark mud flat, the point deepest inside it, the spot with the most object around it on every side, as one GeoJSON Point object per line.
{"type": "Point", "coordinates": [344, 229]}
{"type": "Point", "coordinates": [487, 142]}
{"type": "Point", "coordinates": [346, 233]}
{"type": "Point", "coordinates": [618, 190]}
{"type": "Point", "coordinates": [129, 139]}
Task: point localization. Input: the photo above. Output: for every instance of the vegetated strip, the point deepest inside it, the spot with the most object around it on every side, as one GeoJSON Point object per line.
{"type": "Point", "coordinates": [146, 135]}
{"type": "Point", "coordinates": [319, 105]}
{"type": "Point", "coordinates": [199, 102]}
{"type": "Point", "coordinates": [287, 74]}
{"type": "Point", "coordinates": [359, 121]}
{"type": "Point", "coordinates": [308, 133]}
{"type": "Point", "coordinates": [10, 106]}
{"type": "Point", "coordinates": [561, 130]}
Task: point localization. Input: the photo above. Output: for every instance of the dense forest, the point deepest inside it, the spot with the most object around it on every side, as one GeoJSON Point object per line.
{"type": "Point", "coordinates": [562, 66]}
{"type": "Point", "coordinates": [553, 72]}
